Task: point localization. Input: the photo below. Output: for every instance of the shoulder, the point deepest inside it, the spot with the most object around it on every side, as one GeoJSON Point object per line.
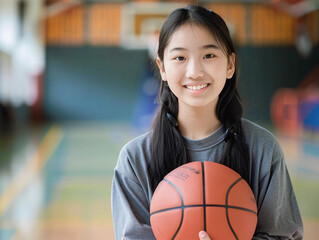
{"type": "Point", "coordinates": [134, 154]}
{"type": "Point", "coordinates": [258, 134]}
{"type": "Point", "coordinates": [137, 144]}
{"type": "Point", "coordinates": [254, 128]}
{"type": "Point", "coordinates": [255, 131]}
{"type": "Point", "coordinates": [261, 142]}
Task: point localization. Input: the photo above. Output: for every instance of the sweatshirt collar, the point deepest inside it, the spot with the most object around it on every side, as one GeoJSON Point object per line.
{"type": "Point", "coordinates": [208, 142]}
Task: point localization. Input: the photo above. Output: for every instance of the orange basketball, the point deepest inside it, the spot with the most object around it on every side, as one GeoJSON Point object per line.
{"type": "Point", "coordinates": [203, 196]}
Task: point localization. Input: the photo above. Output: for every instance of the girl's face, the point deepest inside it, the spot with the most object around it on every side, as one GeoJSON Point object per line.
{"type": "Point", "coordinates": [195, 67]}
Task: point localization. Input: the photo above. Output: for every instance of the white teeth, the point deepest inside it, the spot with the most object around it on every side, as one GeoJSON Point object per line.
{"type": "Point", "coordinates": [198, 87]}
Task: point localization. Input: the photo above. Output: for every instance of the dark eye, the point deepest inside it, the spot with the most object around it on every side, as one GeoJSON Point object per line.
{"type": "Point", "coordinates": [180, 58]}
{"type": "Point", "coordinates": [209, 56]}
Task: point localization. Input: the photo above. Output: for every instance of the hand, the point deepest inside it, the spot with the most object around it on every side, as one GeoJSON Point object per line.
{"type": "Point", "coordinates": [203, 236]}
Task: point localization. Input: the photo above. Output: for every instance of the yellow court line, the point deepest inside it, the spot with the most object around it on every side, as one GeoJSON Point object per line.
{"type": "Point", "coordinates": [33, 166]}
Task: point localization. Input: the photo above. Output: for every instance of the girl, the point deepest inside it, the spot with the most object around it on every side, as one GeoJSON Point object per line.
{"type": "Point", "coordinates": [200, 119]}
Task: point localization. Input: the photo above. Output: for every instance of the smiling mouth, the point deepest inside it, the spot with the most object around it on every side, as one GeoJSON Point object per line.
{"type": "Point", "coordinates": [197, 87]}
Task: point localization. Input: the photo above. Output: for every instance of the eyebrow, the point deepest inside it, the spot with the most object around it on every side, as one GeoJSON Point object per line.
{"type": "Point", "coordinates": [203, 47]}
{"type": "Point", "coordinates": [210, 46]}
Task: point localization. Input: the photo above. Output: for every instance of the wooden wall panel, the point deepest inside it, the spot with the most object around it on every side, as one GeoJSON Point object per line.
{"type": "Point", "coordinates": [105, 23]}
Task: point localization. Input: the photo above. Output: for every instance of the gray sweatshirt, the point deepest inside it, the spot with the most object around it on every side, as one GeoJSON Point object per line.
{"type": "Point", "coordinates": [278, 213]}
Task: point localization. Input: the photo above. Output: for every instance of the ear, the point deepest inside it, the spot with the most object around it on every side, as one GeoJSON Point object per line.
{"type": "Point", "coordinates": [161, 68]}
{"type": "Point", "coordinates": [231, 66]}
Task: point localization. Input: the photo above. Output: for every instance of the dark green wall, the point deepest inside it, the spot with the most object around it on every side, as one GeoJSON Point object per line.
{"type": "Point", "coordinates": [100, 83]}
{"type": "Point", "coordinates": [91, 83]}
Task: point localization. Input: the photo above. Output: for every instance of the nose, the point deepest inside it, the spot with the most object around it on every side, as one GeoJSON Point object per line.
{"type": "Point", "coordinates": [194, 70]}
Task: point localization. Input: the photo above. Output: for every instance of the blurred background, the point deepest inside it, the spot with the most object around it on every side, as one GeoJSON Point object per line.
{"type": "Point", "coordinates": [77, 82]}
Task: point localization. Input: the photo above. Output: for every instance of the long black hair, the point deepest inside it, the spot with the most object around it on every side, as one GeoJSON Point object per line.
{"type": "Point", "coordinates": [168, 149]}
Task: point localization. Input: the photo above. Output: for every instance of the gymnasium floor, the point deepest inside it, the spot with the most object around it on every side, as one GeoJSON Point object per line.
{"type": "Point", "coordinates": [55, 180]}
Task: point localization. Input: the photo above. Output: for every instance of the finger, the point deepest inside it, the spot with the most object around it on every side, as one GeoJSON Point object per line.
{"type": "Point", "coordinates": [203, 236]}
{"type": "Point", "coordinates": [123, 238]}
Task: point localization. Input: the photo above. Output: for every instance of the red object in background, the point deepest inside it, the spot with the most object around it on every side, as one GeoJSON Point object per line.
{"type": "Point", "coordinates": [36, 109]}
{"type": "Point", "coordinates": [284, 110]}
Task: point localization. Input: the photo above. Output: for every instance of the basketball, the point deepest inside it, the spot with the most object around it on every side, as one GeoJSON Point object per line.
{"type": "Point", "coordinates": [203, 196]}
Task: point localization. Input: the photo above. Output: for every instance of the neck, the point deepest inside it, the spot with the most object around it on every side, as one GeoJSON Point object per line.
{"type": "Point", "coordinates": [197, 123]}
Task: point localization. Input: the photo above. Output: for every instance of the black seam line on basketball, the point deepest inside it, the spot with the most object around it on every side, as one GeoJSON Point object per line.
{"type": "Point", "coordinates": [180, 194]}
{"type": "Point", "coordinates": [199, 205]}
{"type": "Point", "coordinates": [204, 195]}
{"type": "Point", "coordinates": [241, 208]}
{"type": "Point", "coordinates": [174, 208]}
{"type": "Point", "coordinates": [226, 207]}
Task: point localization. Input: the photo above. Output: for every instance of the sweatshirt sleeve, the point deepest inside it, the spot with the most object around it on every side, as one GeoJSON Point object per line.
{"type": "Point", "coordinates": [130, 210]}
{"type": "Point", "coordinates": [278, 212]}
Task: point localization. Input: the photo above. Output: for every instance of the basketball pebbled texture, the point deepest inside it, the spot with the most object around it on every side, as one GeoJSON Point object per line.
{"type": "Point", "coordinates": [203, 196]}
